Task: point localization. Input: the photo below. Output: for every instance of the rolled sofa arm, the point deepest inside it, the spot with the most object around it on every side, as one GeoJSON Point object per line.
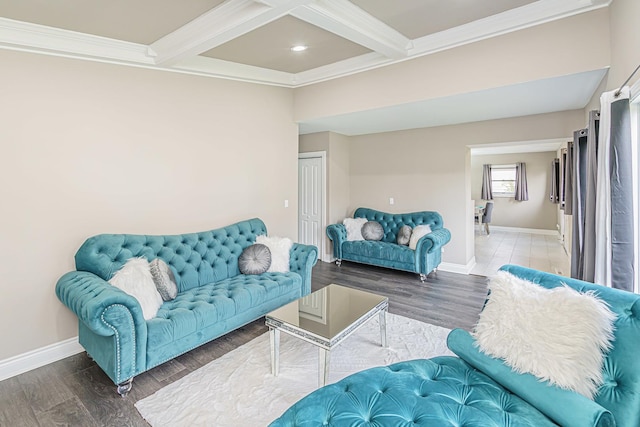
{"type": "Point", "coordinates": [337, 233]}
{"type": "Point", "coordinates": [89, 296]}
{"type": "Point", "coordinates": [302, 258]}
{"type": "Point", "coordinates": [564, 407]}
{"type": "Point", "coordinates": [433, 241]}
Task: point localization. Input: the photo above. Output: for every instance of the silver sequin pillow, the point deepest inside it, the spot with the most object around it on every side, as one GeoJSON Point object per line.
{"type": "Point", "coordinates": [255, 259]}
{"type": "Point", "coordinates": [164, 279]}
{"type": "Point", "coordinates": [404, 235]}
{"type": "Point", "coordinates": [372, 230]}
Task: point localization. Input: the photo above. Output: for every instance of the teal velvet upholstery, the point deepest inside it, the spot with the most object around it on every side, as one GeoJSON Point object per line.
{"type": "Point", "coordinates": [478, 390]}
{"type": "Point", "coordinates": [387, 253]}
{"type": "Point", "coordinates": [213, 299]}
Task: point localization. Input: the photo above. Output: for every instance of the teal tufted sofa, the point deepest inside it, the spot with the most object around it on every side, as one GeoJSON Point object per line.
{"type": "Point", "coordinates": [213, 297]}
{"type": "Point", "coordinates": [477, 390]}
{"type": "Point", "coordinates": [387, 253]}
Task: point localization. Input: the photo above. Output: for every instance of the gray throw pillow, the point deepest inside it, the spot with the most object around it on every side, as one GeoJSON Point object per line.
{"type": "Point", "coordinates": [404, 235]}
{"type": "Point", "coordinates": [372, 230]}
{"type": "Point", "coordinates": [255, 259]}
{"type": "Point", "coordinates": [164, 279]}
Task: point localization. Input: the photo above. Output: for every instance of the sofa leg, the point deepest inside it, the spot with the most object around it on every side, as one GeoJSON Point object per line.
{"type": "Point", "coordinates": [125, 387]}
{"type": "Point", "coordinates": [338, 262]}
{"type": "Point", "coordinates": [423, 277]}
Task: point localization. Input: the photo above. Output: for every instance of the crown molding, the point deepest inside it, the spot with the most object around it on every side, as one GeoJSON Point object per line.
{"type": "Point", "coordinates": [211, 67]}
{"type": "Point", "coordinates": [25, 36]}
{"type": "Point", "coordinates": [343, 18]}
{"type": "Point", "coordinates": [343, 68]}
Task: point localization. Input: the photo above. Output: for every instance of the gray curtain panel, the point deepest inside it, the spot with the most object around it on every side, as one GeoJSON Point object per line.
{"type": "Point", "coordinates": [554, 191]}
{"type": "Point", "coordinates": [487, 191]}
{"type": "Point", "coordinates": [621, 179]}
{"type": "Point", "coordinates": [563, 175]}
{"type": "Point", "coordinates": [589, 213]}
{"type": "Point", "coordinates": [579, 190]}
{"type": "Point", "coordinates": [522, 191]}
{"type": "Point", "coordinates": [568, 181]}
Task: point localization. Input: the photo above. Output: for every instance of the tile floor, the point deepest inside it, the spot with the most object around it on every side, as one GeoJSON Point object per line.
{"type": "Point", "coordinates": [537, 251]}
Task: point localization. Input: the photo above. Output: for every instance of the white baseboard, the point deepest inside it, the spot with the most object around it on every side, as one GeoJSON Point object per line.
{"type": "Point", "coordinates": [524, 230]}
{"type": "Point", "coordinates": [22, 363]}
{"type": "Point", "coordinates": [458, 268]}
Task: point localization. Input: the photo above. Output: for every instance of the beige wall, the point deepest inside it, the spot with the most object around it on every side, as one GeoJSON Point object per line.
{"type": "Point", "coordinates": [429, 169]}
{"type": "Point", "coordinates": [558, 48]}
{"type": "Point", "coordinates": [625, 42]}
{"type": "Point", "coordinates": [93, 148]}
{"type": "Point", "coordinates": [336, 147]}
{"type": "Point", "coordinates": [624, 48]}
{"type": "Point", "coordinates": [537, 212]}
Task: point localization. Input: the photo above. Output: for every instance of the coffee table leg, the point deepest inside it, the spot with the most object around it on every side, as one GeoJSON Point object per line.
{"type": "Point", "coordinates": [274, 336]}
{"type": "Point", "coordinates": [383, 328]}
{"type": "Point", "coordinates": [324, 358]}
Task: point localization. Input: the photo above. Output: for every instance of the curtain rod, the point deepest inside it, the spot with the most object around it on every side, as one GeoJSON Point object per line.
{"type": "Point", "coordinates": [617, 93]}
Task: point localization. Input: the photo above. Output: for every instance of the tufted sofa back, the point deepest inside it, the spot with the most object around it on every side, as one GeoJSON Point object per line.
{"type": "Point", "coordinates": [196, 258]}
{"type": "Point", "coordinates": [620, 392]}
{"type": "Point", "coordinates": [391, 223]}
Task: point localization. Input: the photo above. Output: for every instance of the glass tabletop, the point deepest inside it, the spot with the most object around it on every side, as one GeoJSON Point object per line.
{"type": "Point", "coordinates": [328, 311]}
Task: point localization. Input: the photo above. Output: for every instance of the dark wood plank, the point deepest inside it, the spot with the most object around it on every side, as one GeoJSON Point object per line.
{"type": "Point", "coordinates": [70, 413]}
{"type": "Point", "coordinates": [446, 299]}
{"type": "Point", "coordinates": [75, 391]}
{"type": "Point", "coordinates": [15, 408]}
{"type": "Point", "coordinates": [44, 388]}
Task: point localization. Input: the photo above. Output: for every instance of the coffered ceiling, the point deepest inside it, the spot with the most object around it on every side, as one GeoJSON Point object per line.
{"type": "Point", "coordinates": [250, 40]}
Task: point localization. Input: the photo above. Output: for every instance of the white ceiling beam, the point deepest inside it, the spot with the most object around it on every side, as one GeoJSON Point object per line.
{"type": "Point", "coordinates": [218, 26]}
{"type": "Point", "coordinates": [343, 18]}
{"type": "Point", "coordinates": [25, 36]}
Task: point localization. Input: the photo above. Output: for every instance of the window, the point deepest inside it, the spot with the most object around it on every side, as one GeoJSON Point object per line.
{"type": "Point", "coordinates": [503, 180]}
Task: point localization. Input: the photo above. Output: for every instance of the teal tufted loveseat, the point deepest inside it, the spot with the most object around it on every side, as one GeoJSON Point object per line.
{"type": "Point", "coordinates": [213, 296]}
{"type": "Point", "coordinates": [477, 390]}
{"type": "Point", "coordinates": [386, 252]}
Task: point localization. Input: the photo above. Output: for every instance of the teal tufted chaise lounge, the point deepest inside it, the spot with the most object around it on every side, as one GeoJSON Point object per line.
{"type": "Point", "coordinates": [477, 390]}
{"type": "Point", "coordinates": [213, 299]}
{"type": "Point", "coordinates": [387, 253]}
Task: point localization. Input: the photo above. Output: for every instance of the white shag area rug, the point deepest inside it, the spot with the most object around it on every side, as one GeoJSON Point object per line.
{"type": "Point", "coordinates": [238, 388]}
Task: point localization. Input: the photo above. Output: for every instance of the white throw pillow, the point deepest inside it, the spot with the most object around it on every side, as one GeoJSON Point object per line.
{"type": "Point", "coordinates": [418, 232]}
{"type": "Point", "coordinates": [279, 248]}
{"type": "Point", "coordinates": [556, 334]}
{"type": "Point", "coordinates": [354, 228]}
{"type": "Point", "coordinates": [135, 279]}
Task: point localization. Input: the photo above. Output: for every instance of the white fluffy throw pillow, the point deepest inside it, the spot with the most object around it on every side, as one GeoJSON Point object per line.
{"type": "Point", "coordinates": [418, 232]}
{"type": "Point", "coordinates": [280, 248]}
{"type": "Point", "coordinates": [558, 334]}
{"type": "Point", "coordinates": [354, 228]}
{"type": "Point", "coordinates": [135, 279]}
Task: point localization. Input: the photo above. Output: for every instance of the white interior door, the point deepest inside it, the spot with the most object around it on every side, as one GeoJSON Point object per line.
{"type": "Point", "coordinates": [311, 200]}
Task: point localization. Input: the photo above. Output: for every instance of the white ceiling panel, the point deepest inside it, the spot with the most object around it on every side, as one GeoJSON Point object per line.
{"type": "Point", "coordinates": [137, 21]}
{"type": "Point", "coordinates": [419, 18]}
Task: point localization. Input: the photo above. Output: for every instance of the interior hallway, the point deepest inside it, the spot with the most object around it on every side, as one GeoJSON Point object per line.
{"type": "Point", "coordinates": [542, 252]}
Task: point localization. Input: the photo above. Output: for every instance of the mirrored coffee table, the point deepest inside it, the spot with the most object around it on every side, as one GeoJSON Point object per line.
{"type": "Point", "coordinates": [325, 318]}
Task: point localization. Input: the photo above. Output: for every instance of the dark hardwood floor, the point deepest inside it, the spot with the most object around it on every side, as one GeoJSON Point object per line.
{"type": "Point", "coordinates": [75, 391]}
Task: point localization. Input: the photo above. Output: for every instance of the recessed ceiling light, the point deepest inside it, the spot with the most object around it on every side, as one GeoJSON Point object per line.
{"type": "Point", "coordinates": [298, 48]}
